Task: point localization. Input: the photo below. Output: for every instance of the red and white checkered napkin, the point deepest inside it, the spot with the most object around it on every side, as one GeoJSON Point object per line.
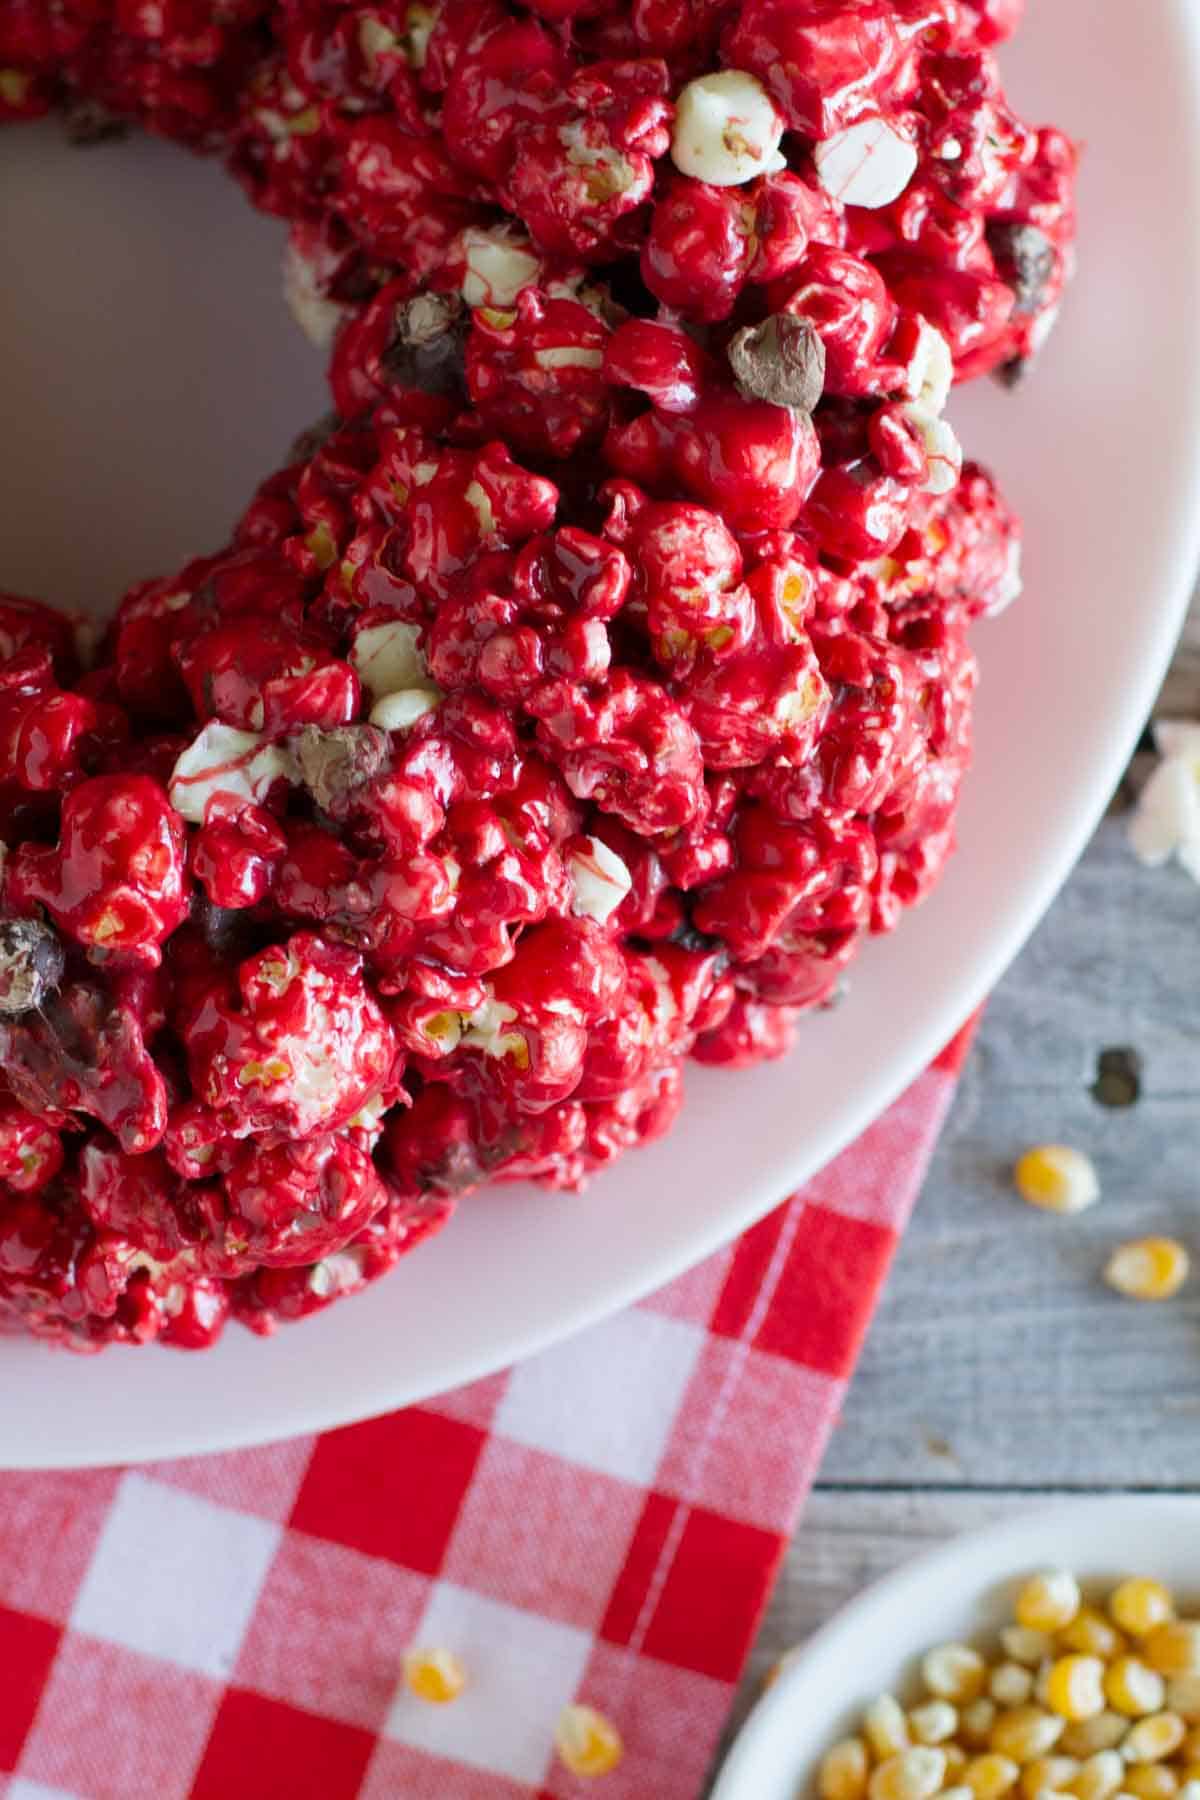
{"type": "Point", "coordinates": [601, 1522]}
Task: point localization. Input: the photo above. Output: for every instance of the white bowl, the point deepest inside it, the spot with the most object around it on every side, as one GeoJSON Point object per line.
{"type": "Point", "coordinates": [123, 466]}
{"type": "Point", "coordinates": [963, 1590]}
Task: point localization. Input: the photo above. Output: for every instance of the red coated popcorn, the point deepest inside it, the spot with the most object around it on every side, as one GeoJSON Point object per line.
{"type": "Point", "coordinates": [582, 693]}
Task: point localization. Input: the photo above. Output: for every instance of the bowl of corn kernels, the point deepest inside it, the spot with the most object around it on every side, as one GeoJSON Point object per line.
{"type": "Point", "coordinates": [1056, 1652]}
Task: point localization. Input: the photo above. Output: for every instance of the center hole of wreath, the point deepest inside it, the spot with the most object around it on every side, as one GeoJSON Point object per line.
{"type": "Point", "coordinates": [150, 375]}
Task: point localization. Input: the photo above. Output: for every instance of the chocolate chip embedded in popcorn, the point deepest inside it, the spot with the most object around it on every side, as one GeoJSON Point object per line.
{"type": "Point", "coordinates": [782, 360]}
{"type": "Point", "coordinates": [31, 964]}
{"type": "Point", "coordinates": [426, 351]}
{"type": "Point", "coordinates": [334, 763]}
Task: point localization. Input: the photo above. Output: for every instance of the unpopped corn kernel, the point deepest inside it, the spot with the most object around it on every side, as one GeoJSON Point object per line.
{"type": "Point", "coordinates": [915, 1774]}
{"type": "Point", "coordinates": [1099, 1777]}
{"type": "Point", "coordinates": [1059, 1179]}
{"type": "Point", "coordinates": [1086, 1737]}
{"type": "Point", "coordinates": [1092, 1635]}
{"type": "Point", "coordinates": [1010, 1684]}
{"type": "Point", "coordinates": [844, 1770]}
{"type": "Point", "coordinates": [1173, 1648]}
{"type": "Point", "coordinates": [1132, 1688]}
{"type": "Point", "coordinates": [434, 1675]}
{"type": "Point", "coordinates": [1026, 1646]}
{"type": "Point", "coordinates": [1153, 1268]}
{"type": "Point", "coordinates": [1026, 1732]}
{"type": "Point", "coordinates": [991, 1776]}
{"type": "Point", "coordinates": [1050, 1600]}
{"type": "Point", "coordinates": [1047, 1774]}
{"type": "Point", "coordinates": [885, 1727]}
{"type": "Point", "coordinates": [976, 1721]}
{"type": "Point", "coordinates": [1183, 1697]}
{"type": "Point", "coordinates": [1075, 1687]}
{"type": "Point", "coordinates": [933, 1722]}
{"type": "Point", "coordinates": [1139, 1604]}
{"type": "Point", "coordinates": [1153, 1738]}
{"type": "Point", "coordinates": [954, 1672]}
{"type": "Point", "coordinates": [1152, 1781]}
{"type": "Point", "coordinates": [587, 1742]}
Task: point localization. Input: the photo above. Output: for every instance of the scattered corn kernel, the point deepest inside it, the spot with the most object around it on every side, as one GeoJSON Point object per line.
{"type": "Point", "coordinates": [434, 1675]}
{"type": "Point", "coordinates": [885, 1727]}
{"type": "Point", "coordinates": [587, 1742]}
{"type": "Point", "coordinates": [1023, 1645]}
{"type": "Point", "coordinates": [844, 1771]}
{"type": "Point", "coordinates": [1057, 1178]}
{"type": "Point", "coordinates": [1087, 1737]}
{"type": "Point", "coordinates": [1138, 1605]}
{"type": "Point", "coordinates": [1183, 1697]}
{"type": "Point", "coordinates": [1133, 1688]}
{"type": "Point", "coordinates": [954, 1672]}
{"type": "Point", "coordinates": [1048, 1601]}
{"type": "Point", "coordinates": [976, 1721]}
{"type": "Point", "coordinates": [1148, 1268]}
{"type": "Point", "coordinates": [1092, 1635]}
{"type": "Point", "coordinates": [1026, 1732]}
{"type": "Point", "coordinates": [1099, 1776]}
{"type": "Point", "coordinates": [1173, 1648]}
{"type": "Point", "coordinates": [1153, 1738]}
{"type": "Point", "coordinates": [1010, 1684]}
{"type": "Point", "coordinates": [915, 1774]}
{"type": "Point", "coordinates": [989, 1776]}
{"type": "Point", "coordinates": [933, 1722]}
{"type": "Point", "coordinates": [1152, 1781]}
{"type": "Point", "coordinates": [1047, 1774]}
{"type": "Point", "coordinates": [1075, 1687]}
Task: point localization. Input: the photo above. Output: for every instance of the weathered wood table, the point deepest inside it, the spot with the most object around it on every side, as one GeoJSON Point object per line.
{"type": "Point", "coordinates": [999, 1367]}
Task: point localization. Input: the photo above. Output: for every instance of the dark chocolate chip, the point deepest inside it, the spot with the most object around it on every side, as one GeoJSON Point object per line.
{"type": "Point", "coordinates": [1118, 1077]}
{"type": "Point", "coordinates": [426, 350]}
{"type": "Point", "coordinates": [782, 360]}
{"type": "Point", "coordinates": [334, 763]}
{"type": "Point", "coordinates": [1025, 261]}
{"type": "Point", "coordinates": [31, 964]}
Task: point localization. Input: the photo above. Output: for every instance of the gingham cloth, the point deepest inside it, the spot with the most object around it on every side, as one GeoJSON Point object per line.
{"type": "Point", "coordinates": [600, 1523]}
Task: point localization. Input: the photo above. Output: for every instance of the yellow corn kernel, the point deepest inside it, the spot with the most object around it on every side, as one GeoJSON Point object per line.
{"type": "Point", "coordinates": [587, 1742]}
{"type": "Point", "coordinates": [1138, 1605]}
{"type": "Point", "coordinates": [1010, 1684]}
{"type": "Point", "coordinates": [1133, 1688]}
{"type": "Point", "coordinates": [990, 1776]}
{"type": "Point", "coordinates": [916, 1774]}
{"type": "Point", "coordinates": [962, 1792]}
{"type": "Point", "coordinates": [885, 1727]}
{"type": "Point", "coordinates": [1099, 1777]}
{"type": "Point", "coordinates": [1075, 1687]}
{"type": "Point", "coordinates": [1022, 1645]}
{"type": "Point", "coordinates": [1173, 1648]}
{"type": "Point", "coordinates": [975, 1723]}
{"type": "Point", "coordinates": [954, 1672]}
{"type": "Point", "coordinates": [434, 1675]}
{"type": "Point", "coordinates": [1048, 1601]}
{"type": "Point", "coordinates": [1026, 1732]}
{"type": "Point", "coordinates": [1153, 1268]}
{"type": "Point", "coordinates": [1190, 1787]}
{"type": "Point", "coordinates": [1183, 1697]}
{"type": "Point", "coordinates": [956, 1761]}
{"type": "Point", "coordinates": [1092, 1635]}
{"type": "Point", "coordinates": [1047, 1774]}
{"type": "Point", "coordinates": [1153, 1738]}
{"type": "Point", "coordinates": [934, 1722]}
{"type": "Point", "coordinates": [1190, 1748]}
{"type": "Point", "coordinates": [1087, 1737]}
{"type": "Point", "coordinates": [844, 1770]}
{"type": "Point", "coordinates": [1057, 1178]}
{"type": "Point", "coordinates": [1152, 1781]}
{"type": "Point", "coordinates": [1189, 1776]}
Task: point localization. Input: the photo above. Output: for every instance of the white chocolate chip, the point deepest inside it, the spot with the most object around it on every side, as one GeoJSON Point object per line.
{"type": "Point", "coordinates": [600, 879]}
{"type": "Point", "coordinates": [387, 658]}
{"type": "Point", "coordinates": [867, 164]}
{"type": "Point", "coordinates": [498, 265]}
{"type": "Point", "coordinates": [568, 356]}
{"type": "Point", "coordinates": [727, 129]}
{"type": "Point", "coordinates": [399, 712]}
{"type": "Point", "coordinates": [225, 761]}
